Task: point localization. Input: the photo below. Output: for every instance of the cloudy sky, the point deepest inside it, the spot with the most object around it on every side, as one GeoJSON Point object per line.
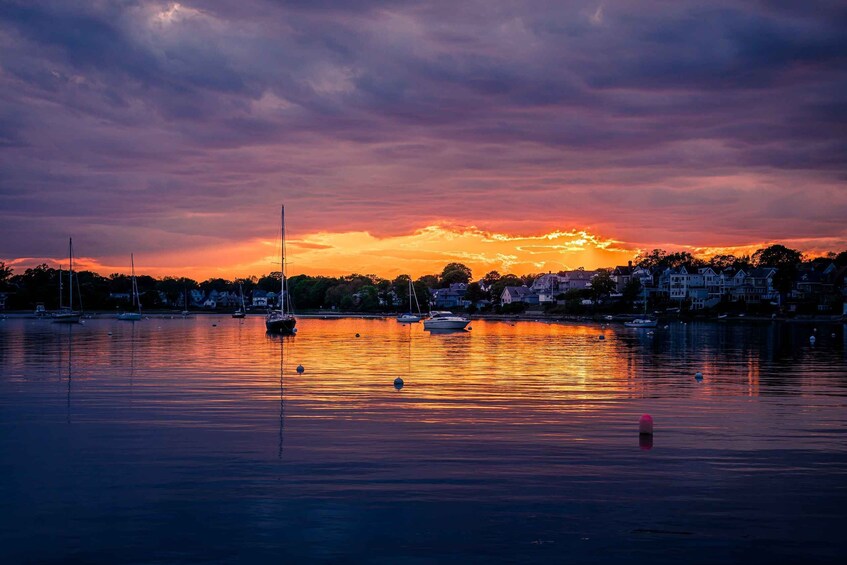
{"type": "Point", "coordinates": [520, 136]}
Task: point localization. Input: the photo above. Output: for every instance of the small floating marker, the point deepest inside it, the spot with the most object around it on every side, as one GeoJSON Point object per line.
{"type": "Point", "coordinates": [833, 335]}
{"type": "Point", "coordinates": [294, 331]}
{"type": "Point", "coordinates": [300, 369]}
{"type": "Point", "coordinates": [698, 375]}
{"type": "Point", "coordinates": [110, 333]}
{"type": "Point", "coordinates": [398, 383]}
{"type": "Point", "coordinates": [214, 325]}
{"type": "Point", "coordinates": [645, 425]}
{"type": "Point", "coordinates": [815, 330]}
{"type": "Point", "coordinates": [470, 328]}
{"type": "Point", "coordinates": [357, 335]}
{"type": "Point", "coordinates": [666, 327]}
{"type": "Point", "coordinates": [602, 337]}
{"type": "Point", "coordinates": [645, 441]}
{"type": "Point", "coordinates": [812, 340]}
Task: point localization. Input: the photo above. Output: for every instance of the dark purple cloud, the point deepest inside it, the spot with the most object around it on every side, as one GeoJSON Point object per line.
{"type": "Point", "coordinates": [154, 126]}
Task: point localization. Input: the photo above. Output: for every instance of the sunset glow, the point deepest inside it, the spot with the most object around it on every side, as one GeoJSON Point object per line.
{"type": "Point", "coordinates": [401, 137]}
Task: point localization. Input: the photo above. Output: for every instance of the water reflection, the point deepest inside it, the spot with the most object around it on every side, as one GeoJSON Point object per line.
{"type": "Point", "coordinates": [512, 433]}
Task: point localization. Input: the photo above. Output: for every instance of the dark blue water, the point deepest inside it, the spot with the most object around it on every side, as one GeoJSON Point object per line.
{"type": "Point", "coordinates": [172, 441]}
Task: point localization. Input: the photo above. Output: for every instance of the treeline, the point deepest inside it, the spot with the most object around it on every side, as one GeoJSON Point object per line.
{"type": "Point", "coordinates": [356, 292]}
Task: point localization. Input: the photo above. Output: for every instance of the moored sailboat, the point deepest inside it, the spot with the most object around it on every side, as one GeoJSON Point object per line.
{"type": "Point", "coordinates": [408, 317]}
{"type": "Point", "coordinates": [282, 321]}
{"type": "Point", "coordinates": [136, 300]}
{"type": "Point", "coordinates": [67, 315]}
{"type": "Point", "coordinates": [242, 311]}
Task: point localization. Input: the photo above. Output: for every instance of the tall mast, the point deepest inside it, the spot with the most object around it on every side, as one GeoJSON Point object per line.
{"type": "Point", "coordinates": [282, 263]}
{"type": "Point", "coordinates": [61, 288]}
{"type": "Point", "coordinates": [71, 270]}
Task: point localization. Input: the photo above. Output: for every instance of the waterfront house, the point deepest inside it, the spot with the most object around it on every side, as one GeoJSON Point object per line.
{"type": "Point", "coordinates": [513, 294]}
{"type": "Point", "coordinates": [450, 297]}
{"type": "Point", "coordinates": [622, 275]}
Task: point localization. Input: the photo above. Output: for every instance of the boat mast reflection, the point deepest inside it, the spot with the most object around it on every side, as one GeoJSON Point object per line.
{"type": "Point", "coordinates": [282, 339]}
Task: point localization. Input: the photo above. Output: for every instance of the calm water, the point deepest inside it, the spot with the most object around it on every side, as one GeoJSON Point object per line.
{"type": "Point", "coordinates": [172, 440]}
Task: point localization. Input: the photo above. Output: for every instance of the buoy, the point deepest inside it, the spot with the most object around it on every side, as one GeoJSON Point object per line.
{"type": "Point", "coordinates": [645, 424]}
{"type": "Point", "coordinates": [666, 327]}
{"type": "Point", "coordinates": [812, 340]}
{"type": "Point", "coordinates": [294, 330]}
{"type": "Point", "coordinates": [398, 383]}
{"type": "Point", "coordinates": [470, 328]}
{"type": "Point", "coordinates": [214, 325]}
{"type": "Point", "coordinates": [110, 333]}
{"type": "Point", "coordinates": [815, 330]}
{"type": "Point", "coordinates": [300, 369]}
{"type": "Point", "coordinates": [602, 337]}
{"type": "Point", "coordinates": [833, 335]}
{"type": "Point", "coordinates": [357, 335]}
{"type": "Point", "coordinates": [645, 441]}
{"type": "Point", "coordinates": [698, 375]}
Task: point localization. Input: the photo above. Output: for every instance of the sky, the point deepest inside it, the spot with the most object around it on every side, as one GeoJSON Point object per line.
{"type": "Point", "coordinates": [514, 136]}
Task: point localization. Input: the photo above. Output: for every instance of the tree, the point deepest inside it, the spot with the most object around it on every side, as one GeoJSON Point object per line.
{"type": "Point", "coordinates": [491, 277]}
{"type": "Point", "coordinates": [455, 273]}
{"type": "Point", "coordinates": [650, 259]}
{"type": "Point", "coordinates": [721, 262]}
{"type": "Point", "coordinates": [474, 293]}
{"type": "Point", "coordinates": [5, 275]}
{"type": "Point", "coordinates": [602, 285]}
{"type": "Point", "coordinates": [777, 256]}
{"type": "Point", "coordinates": [785, 260]}
{"type": "Point", "coordinates": [841, 259]}
{"type": "Point", "coordinates": [632, 289]}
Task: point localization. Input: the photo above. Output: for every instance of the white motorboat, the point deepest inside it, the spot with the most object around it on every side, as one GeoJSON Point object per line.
{"type": "Point", "coordinates": [641, 323]}
{"type": "Point", "coordinates": [443, 320]}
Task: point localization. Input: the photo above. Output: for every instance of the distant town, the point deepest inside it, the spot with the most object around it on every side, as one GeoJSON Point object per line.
{"type": "Point", "coordinates": [773, 281]}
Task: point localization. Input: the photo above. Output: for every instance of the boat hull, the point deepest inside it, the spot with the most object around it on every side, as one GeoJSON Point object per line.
{"type": "Point", "coordinates": [238, 314]}
{"type": "Point", "coordinates": [129, 316]}
{"type": "Point", "coordinates": [66, 318]}
{"type": "Point", "coordinates": [284, 325]}
{"type": "Point", "coordinates": [641, 324]}
{"type": "Point", "coordinates": [408, 319]}
{"type": "Point", "coordinates": [446, 324]}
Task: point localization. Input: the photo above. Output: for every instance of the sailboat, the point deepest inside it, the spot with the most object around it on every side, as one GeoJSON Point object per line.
{"type": "Point", "coordinates": [644, 322]}
{"type": "Point", "coordinates": [281, 321]}
{"type": "Point", "coordinates": [241, 312]}
{"type": "Point", "coordinates": [132, 316]}
{"type": "Point", "coordinates": [185, 313]}
{"type": "Point", "coordinates": [408, 317]}
{"type": "Point", "coordinates": [67, 315]}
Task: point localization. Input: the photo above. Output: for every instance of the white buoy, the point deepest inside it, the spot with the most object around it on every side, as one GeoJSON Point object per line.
{"type": "Point", "coordinates": [398, 383]}
{"type": "Point", "coordinates": [698, 375]}
{"type": "Point", "coordinates": [300, 369]}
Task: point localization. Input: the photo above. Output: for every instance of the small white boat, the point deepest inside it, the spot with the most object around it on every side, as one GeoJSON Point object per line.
{"type": "Point", "coordinates": [641, 323]}
{"type": "Point", "coordinates": [443, 320]}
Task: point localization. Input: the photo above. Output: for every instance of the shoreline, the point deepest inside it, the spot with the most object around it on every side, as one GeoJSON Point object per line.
{"type": "Point", "coordinates": [524, 317]}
